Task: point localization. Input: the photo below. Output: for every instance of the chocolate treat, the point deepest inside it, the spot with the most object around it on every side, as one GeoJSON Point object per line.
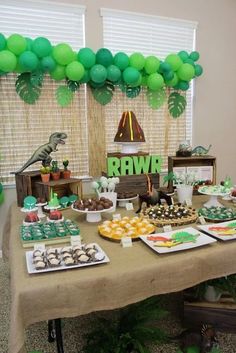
{"type": "Point", "coordinates": [129, 129]}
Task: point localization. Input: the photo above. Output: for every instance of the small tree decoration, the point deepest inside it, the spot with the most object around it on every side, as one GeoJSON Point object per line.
{"type": "Point", "coordinates": [45, 173]}
{"type": "Point", "coordinates": [105, 184]}
{"type": "Point", "coordinates": [55, 171]}
{"type": "Point", "coordinates": [66, 173]}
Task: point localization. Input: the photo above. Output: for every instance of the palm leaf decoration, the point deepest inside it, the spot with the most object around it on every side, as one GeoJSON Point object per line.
{"type": "Point", "coordinates": [37, 78]}
{"type": "Point", "coordinates": [104, 94]}
{"type": "Point", "coordinates": [73, 85]}
{"type": "Point", "coordinates": [64, 96]}
{"type": "Point", "coordinates": [29, 92]}
{"type": "Point", "coordinates": [132, 92]}
{"type": "Point", "coordinates": [156, 98]}
{"type": "Point", "coordinates": [176, 104]}
{"type": "Point", "coordinates": [134, 328]}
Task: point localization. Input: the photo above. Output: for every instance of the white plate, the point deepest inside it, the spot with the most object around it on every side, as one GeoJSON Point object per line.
{"type": "Point", "coordinates": [207, 228]}
{"type": "Point", "coordinates": [91, 212]}
{"type": "Point", "coordinates": [128, 199]}
{"type": "Point", "coordinates": [31, 269]}
{"type": "Point", "coordinates": [201, 240]}
{"type": "Point", "coordinates": [209, 190]}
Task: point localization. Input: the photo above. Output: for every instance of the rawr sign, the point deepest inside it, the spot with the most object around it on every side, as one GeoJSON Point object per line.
{"type": "Point", "coordinates": [131, 165]}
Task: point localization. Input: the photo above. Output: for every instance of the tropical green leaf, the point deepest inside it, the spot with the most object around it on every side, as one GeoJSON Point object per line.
{"type": "Point", "coordinates": [73, 85]}
{"type": "Point", "coordinates": [104, 94]}
{"type": "Point", "coordinates": [64, 96]}
{"type": "Point", "coordinates": [37, 78]}
{"type": "Point", "coordinates": [176, 104]}
{"type": "Point", "coordinates": [27, 91]}
{"type": "Point", "coordinates": [132, 92]}
{"type": "Point", "coordinates": [156, 98]}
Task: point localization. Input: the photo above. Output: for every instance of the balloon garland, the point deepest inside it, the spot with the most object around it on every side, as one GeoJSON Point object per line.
{"type": "Point", "coordinates": [101, 71]}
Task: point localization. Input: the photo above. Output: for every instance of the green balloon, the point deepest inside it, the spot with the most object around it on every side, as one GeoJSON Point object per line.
{"type": "Point", "coordinates": [138, 82]}
{"type": "Point", "coordinates": [29, 43]}
{"type": "Point", "coordinates": [183, 85]}
{"type": "Point", "coordinates": [16, 44]}
{"type": "Point", "coordinates": [174, 61]}
{"type": "Point", "coordinates": [186, 72]}
{"type": "Point", "coordinates": [131, 75]}
{"type": "Point", "coordinates": [151, 64]}
{"type": "Point", "coordinates": [164, 67]}
{"type": "Point", "coordinates": [155, 81]}
{"type": "Point", "coordinates": [198, 70]}
{"type": "Point", "coordinates": [121, 60]}
{"type": "Point", "coordinates": [41, 47]}
{"type": "Point", "coordinates": [48, 64]}
{"type": "Point", "coordinates": [87, 57]}
{"type": "Point", "coordinates": [19, 69]}
{"type": "Point", "coordinates": [98, 73]}
{"type": "Point", "coordinates": [86, 77]}
{"type": "Point", "coordinates": [104, 57]}
{"type": "Point", "coordinates": [183, 55]}
{"type": "Point", "coordinates": [63, 54]}
{"type": "Point", "coordinates": [169, 75]}
{"type": "Point", "coordinates": [8, 61]}
{"type": "Point", "coordinates": [75, 71]}
{"type": "Point", "coordinates": [96, 85]}
{"type": "Point", "coordinates": [189, 61]}
{"type": "Point", "coordinates": [137, 61]}
{"type": "Point", "coordinates": [194, 55]}
{"type": "Point", "coordinates": [3, 42]}
{"type": "Point", "coordinates": [144, 80]}
{"type": "Point", "coordinates": [28, 61]}
{"type": "Point", "coordinates": [172, 82]}
{"type": "Point", "coordinates": [58, 73]}
{"type": "Point", "coordinates": [113, 73]}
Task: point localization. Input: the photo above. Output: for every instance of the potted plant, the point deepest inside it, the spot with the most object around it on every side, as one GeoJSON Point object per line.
{"type": "Point", "coordinates": [184, 185]}
{"type": "Point", "coordinates": [66, 173]}
{"type": "Point", "coordinates": [55, 171]}
{"type": "Point", "coordinates": [45, 173]}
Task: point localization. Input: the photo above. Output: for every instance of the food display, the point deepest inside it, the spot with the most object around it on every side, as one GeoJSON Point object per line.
{"type": "Point", "coordinates": [223, 231]}
{"type": "Point", "coordinates": [216, 214]}
{"type": "Point", "coordinates": [214, 190]}
{"type": "Point", "coordinates": [129, 129]}
{"type": "Point", "coordinates": [48, 231]}
{"type": "Point", "coordinates": [93, 204]}
{"type": "Point", "coordinates": [184, 239]}
{"type": "Point", "coordinates": [126, 195]}
{"type": "Point", "coordinates": [174, 215]}
{"type": "Point", "coordinates": [55, 215]}
{"type": "Point", "coordinates": [31, 217]}
{"type": "Point", "coordinates": [63, 258]}
{"type": "Point", "coordinates": [125, 227]}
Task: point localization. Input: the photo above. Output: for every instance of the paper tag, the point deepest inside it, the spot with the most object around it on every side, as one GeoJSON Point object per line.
{"type": "Point", "coordinates": [116, 217]}
{"type": "Point", "coordinates": [167, 228]}
{"type": "Point", "coordinates": [39, 246]}
{"type": "Point", "coordinates": [126, 242]}
{"type": "Point", "coordinates": [75, 240]}
{"type": "Point", "coordinates": [188, 202]}
{"type": "Point", "coordinates": [129, 206]}
{"type": "Point", "coordinates": [202, 220]}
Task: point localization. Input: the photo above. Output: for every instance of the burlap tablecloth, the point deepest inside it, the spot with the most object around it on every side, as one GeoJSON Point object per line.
{"type": "Point", "coordinates": [133, 274]}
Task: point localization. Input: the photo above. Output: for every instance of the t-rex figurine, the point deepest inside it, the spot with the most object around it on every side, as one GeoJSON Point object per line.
{"type": "Point", "coordinates": [43, 152]}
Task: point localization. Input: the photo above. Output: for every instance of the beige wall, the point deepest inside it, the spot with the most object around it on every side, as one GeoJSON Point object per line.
{"type": "Point", "coordinates": [215, 100]}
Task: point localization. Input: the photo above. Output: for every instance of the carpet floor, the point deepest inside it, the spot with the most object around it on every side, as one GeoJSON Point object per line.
{"type": "Point", "coordinates": [75, 329]}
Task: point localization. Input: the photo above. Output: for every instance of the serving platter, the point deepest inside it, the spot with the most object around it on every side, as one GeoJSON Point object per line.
{"type": "Point", "coordinates": [32, 270]}
{"type": "Point", "coordinates": [223, 231]}
{"type": "Point", "coordinates": [178, 240]}
{"type": "Point", "coordinates": [92, 216]}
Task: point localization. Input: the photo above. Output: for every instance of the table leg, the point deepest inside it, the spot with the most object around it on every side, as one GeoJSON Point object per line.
{"type": "Point", "coordinates": [55, 333]}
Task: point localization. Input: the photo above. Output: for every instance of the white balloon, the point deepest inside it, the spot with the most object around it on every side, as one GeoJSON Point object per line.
{"type": "Point", "coordinates": [95, 185]}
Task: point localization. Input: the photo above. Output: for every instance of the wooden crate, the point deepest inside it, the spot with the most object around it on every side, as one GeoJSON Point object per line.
{"type": "Point", "coordinates": [193, 161]}
{"type": "Point", "coordinates": [222, 314]}
{"type": "Point", "coordinates": [29, 183]}
{"type": "Point", "coordinates": [136, 183]}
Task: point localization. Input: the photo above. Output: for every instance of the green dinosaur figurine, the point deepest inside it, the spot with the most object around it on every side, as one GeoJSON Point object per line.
{"type": "Point", "coordinates": [43, 152]}
{"type": "Point", "coordinates": [200, 151]}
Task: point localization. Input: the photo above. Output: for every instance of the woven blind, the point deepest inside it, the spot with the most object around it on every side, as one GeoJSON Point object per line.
{"type": "Point", "coordinates": [150, 35]}
{"type": "Point", "coordinates": [25, 127]}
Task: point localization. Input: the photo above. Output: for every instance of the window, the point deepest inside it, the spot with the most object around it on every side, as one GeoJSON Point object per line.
{"type": "Point", "coordinates": [25, 127]}
{"type": "Point", "coordinates": [150, 35]}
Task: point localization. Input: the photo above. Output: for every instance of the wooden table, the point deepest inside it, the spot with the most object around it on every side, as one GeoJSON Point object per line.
{"type": "Point", "coordinates": [133, 274]}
